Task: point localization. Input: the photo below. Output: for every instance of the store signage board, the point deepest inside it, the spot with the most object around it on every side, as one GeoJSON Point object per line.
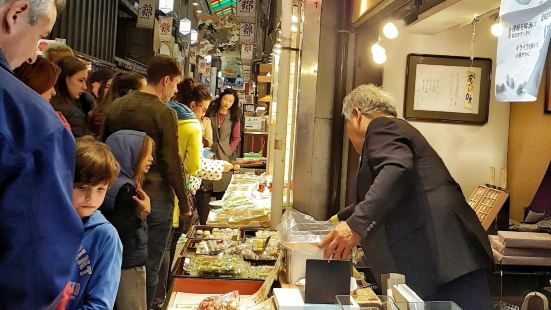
{"type": "Point", "coordinates": [246, 52]}
{"type": "Point", "coordinates": [522, 49]}
{"type": "Point", "coordinates": [165, 28]}
{"type": "Point", "coordinates": [447, 88]}
{"type": "Point", "coordinates": [186, 45]}
{"type": "Point", "coordinates": [246, 9]}
{"type": "Point", "coordinates": [246, 33]}
{"type": "Point", "coordinates": [193, 55]}
{"type": "Point", "coordinates": [146, 14]}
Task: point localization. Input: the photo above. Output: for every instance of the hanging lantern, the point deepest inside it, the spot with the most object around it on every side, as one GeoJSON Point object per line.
{"type": "Point", "coordinates": [166, 6]}
{"type": "Point", "coordinates": [193, 36]}
{"type": "Point", "coordinates": [185, 26]}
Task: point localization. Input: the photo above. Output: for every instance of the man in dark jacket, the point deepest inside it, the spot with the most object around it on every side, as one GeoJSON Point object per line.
{"type": "Point", "coordinates": [40, 232]}
{"type": "Point", "coordinates": [411, 216]}
{"type": "Point", "coordinates": [146, 111]}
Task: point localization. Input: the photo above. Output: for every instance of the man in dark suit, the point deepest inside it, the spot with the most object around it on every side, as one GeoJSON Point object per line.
{"type": "Point", "coordinates": [411, 216]}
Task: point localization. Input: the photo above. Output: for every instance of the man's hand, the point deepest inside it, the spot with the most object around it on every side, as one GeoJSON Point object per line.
{"type": "Point", "coordinates": [339, 242]}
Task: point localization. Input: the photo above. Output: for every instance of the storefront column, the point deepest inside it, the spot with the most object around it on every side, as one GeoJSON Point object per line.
{"type": "Point", "coordinates": [282, 106]}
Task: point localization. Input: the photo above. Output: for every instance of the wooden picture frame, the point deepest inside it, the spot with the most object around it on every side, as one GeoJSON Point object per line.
{"type": "Point", "coordinates": [546, 79]}
{"type": "Point", "coordinates": [449, 89]}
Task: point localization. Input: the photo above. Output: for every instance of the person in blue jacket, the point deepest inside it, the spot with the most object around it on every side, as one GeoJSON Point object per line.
{"type": "Point", "coordinates": [97, 267]}
{"type": "Point", "coordinates": [40, 232]}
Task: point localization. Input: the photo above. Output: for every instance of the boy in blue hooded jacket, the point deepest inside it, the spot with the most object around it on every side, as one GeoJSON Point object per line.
{"type": "Point", "coordinates": [96, 272]}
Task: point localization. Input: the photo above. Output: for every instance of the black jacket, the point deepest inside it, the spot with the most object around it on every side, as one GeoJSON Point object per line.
{"type": "Point", "coordinates": [411, 214]}
{"type": "Point", "coordinates": [73, 113]}
{"type": "Point", "coordinates": [131, 228]}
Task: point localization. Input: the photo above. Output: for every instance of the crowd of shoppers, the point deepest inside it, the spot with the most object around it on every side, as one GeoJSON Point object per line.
{"type": "Point", "coordinates": [112, 160]}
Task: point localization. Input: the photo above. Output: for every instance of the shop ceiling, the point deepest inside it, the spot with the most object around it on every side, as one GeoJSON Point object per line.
{"type": "Point", "coordinates": [222, 7]}
{"type": "Point", "coordinates": [421, 16]}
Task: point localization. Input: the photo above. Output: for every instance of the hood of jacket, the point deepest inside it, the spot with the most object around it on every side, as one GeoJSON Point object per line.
{"type": "Point", "coordinates": [126, 146]}
{"type": "Point", "coordinates": [183, 112]}
{"type": "Point", "coordinates": [94, 220]}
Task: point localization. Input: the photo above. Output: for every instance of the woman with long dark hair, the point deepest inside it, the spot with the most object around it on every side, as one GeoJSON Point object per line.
{"type": "Point", "coordinates": [225, 117]}
{"type": "Point", "coordinates": [122, 84]}
{"type": "Point", "coordinates": [70, 85]}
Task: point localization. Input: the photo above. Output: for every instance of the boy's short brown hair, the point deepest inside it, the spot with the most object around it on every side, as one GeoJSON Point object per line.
{"type": "Point", "coordinates": [95, 164]}
{"type": "Point", "coordinates": [161, 66]}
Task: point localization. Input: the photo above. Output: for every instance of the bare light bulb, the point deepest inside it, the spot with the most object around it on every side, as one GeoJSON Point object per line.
{"type": "Point", "coordinates": [379, 58]}
{"type": "Point", "coordinates": [497, 29]}
{"type": "Point", "coordinates": [377, 49]}
{"type": "Point", "coordinates": [390, 30]}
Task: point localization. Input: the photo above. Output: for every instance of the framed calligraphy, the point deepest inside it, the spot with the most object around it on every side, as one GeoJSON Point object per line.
{"type": "Point", "coordinates": [450, 89]}
{"type": "Point", "coordinates": [546, 78]}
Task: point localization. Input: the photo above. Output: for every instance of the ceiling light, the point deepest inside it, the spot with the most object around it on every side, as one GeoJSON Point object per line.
{"type": "Point", "coordinates": [497, 29]}
{"type": "Point", "coordinates": [377, 49]}
{"type": "Point", "coordinates": [294, 28]}
{"type": "Point", "coordinates": [198, 11]}
{"type": "Point", "coordinates": [294, 19]}
{"type": "Point", "coordinates": [185, 26]}
{"type": "Point", "coordinates": [390, 30]}
{"type": "Point", "coordinates": [379, 58]}
{"type": "Point", "coordinates": [193, 37]}
{"type": "Point", "coordinates": [195, 3]}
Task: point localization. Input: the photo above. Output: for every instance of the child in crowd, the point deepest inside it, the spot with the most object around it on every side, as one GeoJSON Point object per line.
{"type": "Point", "coordinates": [96, 273]}
{"type": "Point", "coordinates": [127, 207]}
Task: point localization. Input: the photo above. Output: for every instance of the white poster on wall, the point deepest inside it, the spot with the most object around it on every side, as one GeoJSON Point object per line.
{"type": "Point", "coordinates": [146, 14]}
{"type": "Point", "coordinates": [165, 28]}
{"type": "Point", "coordinates": [522, 49]}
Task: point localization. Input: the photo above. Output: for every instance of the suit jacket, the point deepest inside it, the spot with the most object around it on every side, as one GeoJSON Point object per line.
{"type": "Point", "coordinates": [410, 213]}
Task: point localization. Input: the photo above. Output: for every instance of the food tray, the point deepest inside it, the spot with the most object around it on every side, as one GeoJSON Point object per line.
{"type": "Point", "coordinates": [192, 233]}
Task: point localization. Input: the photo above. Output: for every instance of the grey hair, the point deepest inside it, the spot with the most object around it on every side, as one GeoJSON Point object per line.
{"type": "Point", "coordinates": [39, 8]}
{"type": "Point", "coordinates": [368, 99]}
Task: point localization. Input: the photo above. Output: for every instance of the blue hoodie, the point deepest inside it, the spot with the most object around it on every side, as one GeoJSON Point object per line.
{"type": "Point", "coordinates": [119, 207]}
{"type": "Point", "coordinates": [40, 232]}
{"type": "Point", "coordinates": [97, 268]}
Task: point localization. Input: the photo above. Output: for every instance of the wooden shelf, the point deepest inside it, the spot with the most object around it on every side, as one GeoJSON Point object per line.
{"type": "Point", "coordinates": [264, 79]}
{"type": "Point", "coordinates": [266, 98]}
{"type": "Point", "coordinates": [265, 68]}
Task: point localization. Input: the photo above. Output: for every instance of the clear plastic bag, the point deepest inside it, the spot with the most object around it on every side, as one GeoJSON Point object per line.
{"type": "Point", "coordinates": [229, 301]}
{"type": "Point", "coordinates": [297, 227]}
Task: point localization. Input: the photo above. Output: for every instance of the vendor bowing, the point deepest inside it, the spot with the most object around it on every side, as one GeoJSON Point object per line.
{"type": "Point", "coordinates": [410, 216]}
